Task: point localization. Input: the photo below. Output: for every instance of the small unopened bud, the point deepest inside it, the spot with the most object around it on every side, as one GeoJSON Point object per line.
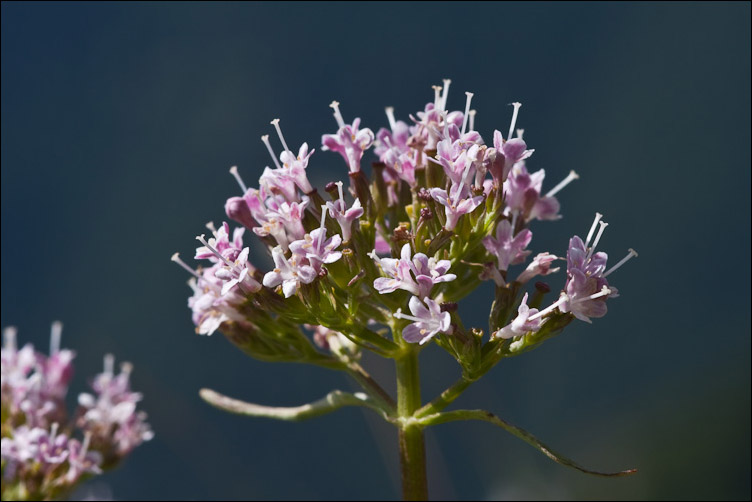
{"type": "Point", "coordinates": [426, 214]}
{"type": "Point", "coordinates": [424, 194]}
{"type": "Point", "coordinates": [449, 307]}
{"type": "Point", "coordinates": [542, 287]}
{"type": "Point", "coordinates": [331, 187]}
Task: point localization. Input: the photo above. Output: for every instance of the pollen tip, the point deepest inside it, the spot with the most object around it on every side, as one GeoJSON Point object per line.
{"type": "Point", "coordinates": [265, 138]}
{"type": "Point", "coordinates": [574, 175]}
{"type": "Point", "coordinates": [234, 170]}
{"type": "Point", "coordinates": [175, 257]}
{"type": "Point", "coordinates": [274, 122]}
{"type": "Point", "coordinates": [633, 252]}
{"type": "Point", "coordinates": [334, 104]}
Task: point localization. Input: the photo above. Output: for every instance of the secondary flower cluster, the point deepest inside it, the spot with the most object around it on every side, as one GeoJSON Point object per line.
{"type": "Point", "coordinates": [46, 452]}
{"type": "Point", "coordinates": [447, 210]}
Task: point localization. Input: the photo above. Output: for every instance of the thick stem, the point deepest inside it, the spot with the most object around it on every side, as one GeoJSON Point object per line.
{"type": "Point", "coordinates": [411, 443]}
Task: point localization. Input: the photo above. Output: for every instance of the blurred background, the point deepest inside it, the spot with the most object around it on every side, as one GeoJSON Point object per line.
{"type": "Point", "coordinates": [119, 124]}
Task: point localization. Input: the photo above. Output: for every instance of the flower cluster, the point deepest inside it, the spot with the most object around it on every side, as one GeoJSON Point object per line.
{"type": "Point", "coordinates": [438, 212]}
{"type": "Point", "coordinates": [46, 452]}
{"type": "Point", "coordinates": [436, 191]}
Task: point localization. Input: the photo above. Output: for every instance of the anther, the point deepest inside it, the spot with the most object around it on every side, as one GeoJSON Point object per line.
{"type": "Point", "coordinates": [9, 338]}
{"type": "Point", "coordinates": [234, 172]}
{"type": "Point", "coordinates": [566, 181]}
{"type": "Point", "coordinates": [56, 333]}
{"type": "Point", "coordinates": [445, 95]}
{"type": "Point", "coordinates": [598, 217]}
{"type": "Point", "coordinates": [275, 123]}
{"type": "Point", "coordinates": [265, 139]}
{"type": "Point", "coordinates": [337, 114]}
{"type": "Point", "coordinates": [603, 225]}
{"type": "Point", "coordinates": [390, 116]}
{"type": "Point", "coordinates": [514, 119]}
{"type": "Point", "coordinates": [632, 254]}
{"type": "Point", "coordinates": [467, 111]}
{"type": "Point", "coordinates": [109, 364]}
{"type": "Point", "coordinates": [176, 259]}
{"type": "Point", "coordinates": [472, 119]}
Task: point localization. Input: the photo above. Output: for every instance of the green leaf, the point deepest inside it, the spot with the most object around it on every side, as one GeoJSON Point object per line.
{"type": "Point", "coordinates": [487, 416]}
{"type": "Point", "coordinates": [335, 400]}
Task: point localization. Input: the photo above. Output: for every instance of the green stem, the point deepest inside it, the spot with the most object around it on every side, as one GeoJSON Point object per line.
{"type": "Point", "coordinates": [411, 443]}
{"type": "Point", "coordinates": [445, 398]}
{"type": "Point", "coordinates": [371, 386]}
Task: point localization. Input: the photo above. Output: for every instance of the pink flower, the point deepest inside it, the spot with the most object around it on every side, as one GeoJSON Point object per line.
{"type": "Point", "coordinates": [289, 273]}
{"type": "Point", "coordinates": [522, 323]}
{"type": "Point", "coordinates": [508, 249]}
{"type": "Point", "coordinates": [349, 141]}
{"type": "Point", "coordinates": [429, 321]}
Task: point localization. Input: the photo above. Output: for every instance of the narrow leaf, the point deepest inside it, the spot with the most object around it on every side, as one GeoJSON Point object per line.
{"type": "Point", "coordinates": [333, 401]}
{"type": "Point", "coordinates": [486, 416]}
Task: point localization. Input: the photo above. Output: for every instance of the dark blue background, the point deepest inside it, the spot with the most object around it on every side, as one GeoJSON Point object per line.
{"type": "Point", "coordinates": [119, 123]}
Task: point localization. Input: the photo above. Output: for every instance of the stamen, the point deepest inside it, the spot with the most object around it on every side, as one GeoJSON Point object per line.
{"type": "Point", "coordinates": [444, 116]}
{"type": "Point", "coordinates": [53, 432]}
{"type": "Point", "coordinates": [446, 94]}
{"type": "Point", "coordinates": [265, 139]}
{"type": "Point", "coordinates": [520, 132]}
{"type": "Point", "coordinates": [322, 231]}
{"type": "Point", "coordinates": [337, 114]}
{"type": "Point", "coordinates": [467, 111]}
{"type": "Point", "coordinates": [563, 298]}
{"type": "Point", "coordinates": [436, 96]}
{"type": "Point", "coordinates": [234, 172]}
{"type": "Point", "coordinates": [603, 292]}
{"type": "Point", "coordinates": [9, 338]}
{"type": "Point", "coordinates": [400, 315]}
{"type": "Point", "coordinates": [109, 364]}
{"type": "Point", "coordinates": [211, 227]}
{"type": "Point", "coordinates": [632, 254]}
{"type": "Point", "coordinates": [472, 119]}
{"type": "Point", "coordinates": [514, 221]}
{"type": "Point", "coordinates": [514, 119]}
{"type": "Point", "coordinates": [176, 259]}
{"type": "Point", "coordinates": [211, 248]}
{"type": "Point", "coordinates": [603, 225]}
{"type": "Point", "coordinates": [341, 195]}
{"type": "Point", "coordinates": [566, 181]}
{"type": "Point", "coordinates": [275, 123]}
{"type": "Point", "coordinates": [598, 217]}
{"type": "Point", "coordinates": [56, 334]}
{"type": "Point", "coordinates": [390, 116]}
{"type": "Point", "coordinates": [126, 368]}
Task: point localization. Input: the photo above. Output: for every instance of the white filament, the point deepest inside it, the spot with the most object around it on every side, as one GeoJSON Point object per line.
{"type": "Point", "coordinates": [234, 172]}
{"type": "Point", "coordinates": [566, 181]}
{"type": "Point", "coordinates": [514, 119]}
{"type": "Point", "coordinates": [632, 254]}
{"type": "Point", "coordinates": [265, 139]}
